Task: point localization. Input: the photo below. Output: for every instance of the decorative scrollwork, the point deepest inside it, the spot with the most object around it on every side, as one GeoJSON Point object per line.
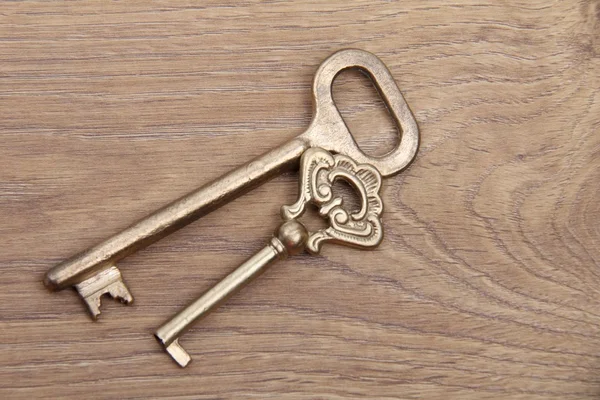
{"type": "Point", "coordinates": [319, 169]}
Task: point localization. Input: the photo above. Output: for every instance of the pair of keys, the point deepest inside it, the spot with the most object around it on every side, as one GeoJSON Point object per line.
{"type": "Point", "coordinates": [325, 152]}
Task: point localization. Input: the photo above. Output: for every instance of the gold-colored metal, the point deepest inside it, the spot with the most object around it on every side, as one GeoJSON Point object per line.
{"type": "Point", "coordinates": [289, 239]}
{"type": "Point", "coordinates": [318, 171]}
{"type": "Point", "coordinates": [327, 130]}
{"type": "Point", "coordinates": [106, 281]}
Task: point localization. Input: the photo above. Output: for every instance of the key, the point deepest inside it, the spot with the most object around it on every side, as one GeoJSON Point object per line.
{"type": "Point", "coordinates": [94, 273]}
{"type": "Point", "coordinates": [319, 169]}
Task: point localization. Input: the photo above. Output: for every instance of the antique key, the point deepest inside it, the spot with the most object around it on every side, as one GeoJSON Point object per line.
{"type": "Point", "coordinates": [319, 169]}
{"type": "Point", "coordinates": [94, 273]}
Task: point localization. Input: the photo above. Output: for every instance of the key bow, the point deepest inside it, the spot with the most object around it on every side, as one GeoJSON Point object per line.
{"type": "Point", "coordinates": [319, 169]}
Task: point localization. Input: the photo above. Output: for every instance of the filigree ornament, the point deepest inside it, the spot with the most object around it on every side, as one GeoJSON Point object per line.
{"type": "Point", "coordinates": [319, 169]}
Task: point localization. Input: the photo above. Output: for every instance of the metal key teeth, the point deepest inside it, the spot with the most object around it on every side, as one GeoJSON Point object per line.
{"type": "Point", "coordinates": [107, 281]}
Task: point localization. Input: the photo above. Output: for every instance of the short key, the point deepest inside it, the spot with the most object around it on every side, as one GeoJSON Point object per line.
{"type": "Point", "coordinates": [319, 170]}
{"type": "Point", "coordinates": [94, 273]}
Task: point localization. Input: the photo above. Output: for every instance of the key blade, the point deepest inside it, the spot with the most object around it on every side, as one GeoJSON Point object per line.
{"type": "Point", "coordinates": [108, 281]}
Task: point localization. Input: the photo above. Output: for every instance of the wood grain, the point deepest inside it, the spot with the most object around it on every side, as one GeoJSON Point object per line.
{"type": "Point", "coordinates": [486, 286]}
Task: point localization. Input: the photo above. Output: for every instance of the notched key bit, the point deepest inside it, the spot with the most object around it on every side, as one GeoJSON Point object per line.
{"type": "Point", "coordinates": [90, 284]}
{"type": "Point", "coordinates": [108, 281]}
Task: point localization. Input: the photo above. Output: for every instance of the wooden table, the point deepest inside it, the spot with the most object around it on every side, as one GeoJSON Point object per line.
{"type": "Point", "coordinates": [486, 287]}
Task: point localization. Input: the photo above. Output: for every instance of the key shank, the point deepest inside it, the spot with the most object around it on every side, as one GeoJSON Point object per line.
{"type": "Point", "coordinates": [289, 239]}
{"type": "Point", "coordinates": [176, 215]}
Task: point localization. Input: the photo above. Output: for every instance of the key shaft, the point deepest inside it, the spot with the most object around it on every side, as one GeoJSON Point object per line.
{"type": "Point", "coordinates": [289, 239]}
{"type": "Point", "coordinates": [176, 215]}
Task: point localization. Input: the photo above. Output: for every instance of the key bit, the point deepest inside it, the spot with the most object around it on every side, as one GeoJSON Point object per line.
{"type": "Point", "coordinates": [318, 171]}
{"type": "Point", "coordinates": [107, 281]}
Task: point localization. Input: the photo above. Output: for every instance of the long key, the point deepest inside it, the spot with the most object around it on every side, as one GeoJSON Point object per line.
{"type": "Point", "coordinates": [318, 171]}
{"type": "Point", "coordinates": [94, 273]}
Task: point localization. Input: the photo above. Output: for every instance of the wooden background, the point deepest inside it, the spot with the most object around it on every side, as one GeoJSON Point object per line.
{"type": "Point", "coordinates": [486, 287]}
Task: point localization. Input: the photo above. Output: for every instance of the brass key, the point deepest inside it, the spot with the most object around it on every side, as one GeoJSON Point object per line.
{"type": "Point", "coordinates": [318, 171]}
{"type": "Point", "coordinates": [94, 273]}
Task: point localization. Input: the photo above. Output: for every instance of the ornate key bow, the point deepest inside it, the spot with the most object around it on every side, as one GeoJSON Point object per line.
{"type": "Point", "coordinates": [319, 169]}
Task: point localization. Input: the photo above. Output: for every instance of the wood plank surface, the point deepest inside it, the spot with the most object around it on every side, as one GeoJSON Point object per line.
{"type": "Point", "coordinates": [487, 283]}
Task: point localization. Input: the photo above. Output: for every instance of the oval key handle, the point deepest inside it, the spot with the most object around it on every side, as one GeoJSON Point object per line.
{"type": "Point", "coordinates": [328, 129]}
